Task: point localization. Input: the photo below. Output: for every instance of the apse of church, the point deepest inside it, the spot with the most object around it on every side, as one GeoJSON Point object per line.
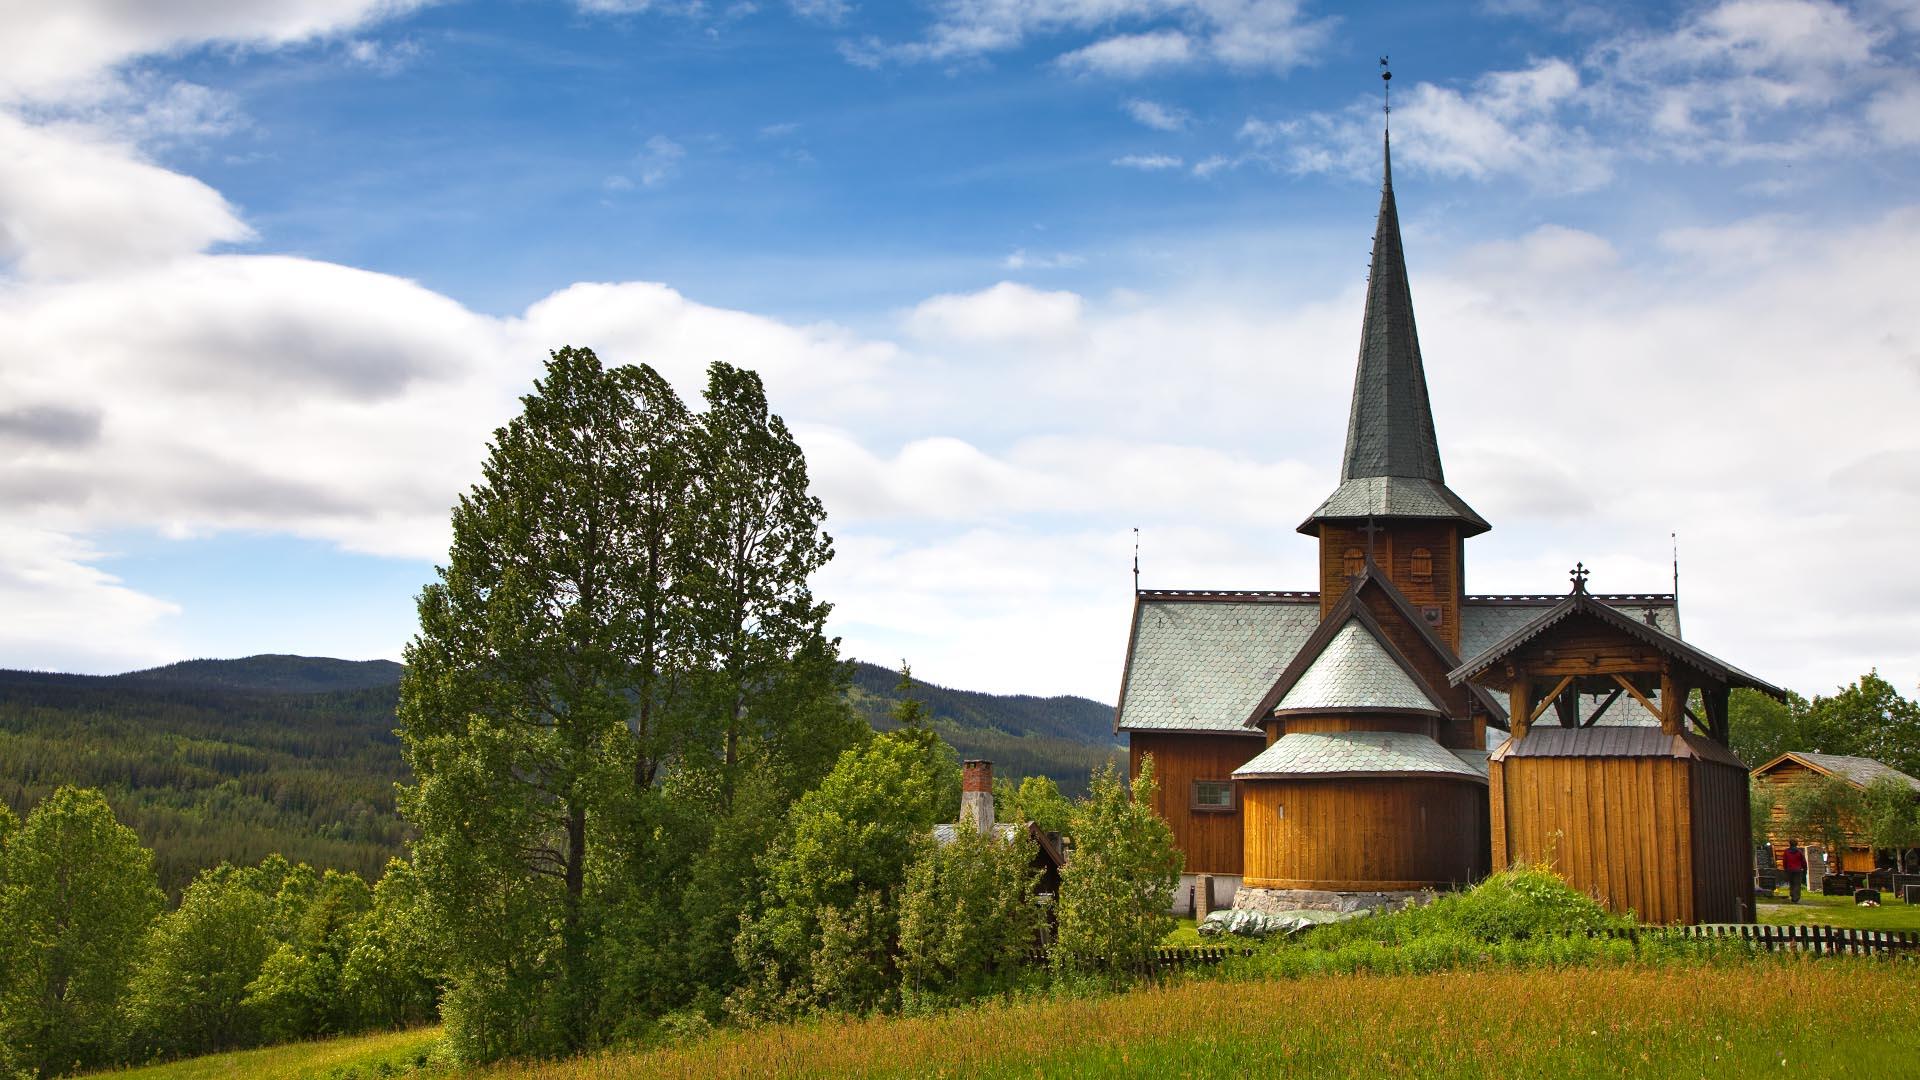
{"type": "Point", "coordinates": [1328, 747]}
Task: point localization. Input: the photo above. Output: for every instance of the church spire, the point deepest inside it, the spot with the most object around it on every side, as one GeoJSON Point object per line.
{"type": "Point", "coordinates": [1390, 427]}
{"type": "Point", "coordinates": [1391, 467]}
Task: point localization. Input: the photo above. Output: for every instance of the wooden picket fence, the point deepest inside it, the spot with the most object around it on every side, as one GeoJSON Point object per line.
{"type": "Point", "coordinates": [1811, 940]}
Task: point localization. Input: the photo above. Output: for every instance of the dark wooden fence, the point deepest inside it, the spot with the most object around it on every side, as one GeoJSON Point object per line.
{"type": "Point", "coordinates": [1813, 940]}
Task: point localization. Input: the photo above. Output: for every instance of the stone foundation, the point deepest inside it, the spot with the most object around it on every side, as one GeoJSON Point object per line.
{"type": "Point", "coordinates": [1281, 901]}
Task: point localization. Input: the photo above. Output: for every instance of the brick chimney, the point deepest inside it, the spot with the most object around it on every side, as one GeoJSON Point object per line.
{"type": "Point", "coordinates": [976, 793]}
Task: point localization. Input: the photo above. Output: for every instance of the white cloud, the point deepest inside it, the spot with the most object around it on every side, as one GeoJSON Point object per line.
{"type": "Point", "coordinates": [67, 49]}
{"type": "Point", "coordinates": [1148, 162]}
{"type": "Point", "coordinates": [64, 613]}
{"type": "Point", "coordinates": [1007, 311]}
{"type": "Point", "coordinates": [1157, 116]}
{"type": "Point", "coordinates": [74, 202]}
{"type": "Point", "coordinates": [1244, 34]}
{"type": "Point", "coordinates": [1742, 80]}
{"type": "Point", "coordinates": [1131, 55]}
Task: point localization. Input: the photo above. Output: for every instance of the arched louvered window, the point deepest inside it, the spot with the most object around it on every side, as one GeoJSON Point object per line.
{"type": "Point", "coordinates": [1422, 564]}
{"type": "Point", "coordinates": [1356, 561]}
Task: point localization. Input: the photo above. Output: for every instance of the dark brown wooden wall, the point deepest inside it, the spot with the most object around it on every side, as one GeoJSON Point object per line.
{"type": "Point", "coordinates": [1393, 550]}
{"type": "Point", "coordinates": [1210, 839]}
{"type": "Point", "coordinates": [1722, 844]}
{"type": "Point", "coordinates": [1618, 828]}
{"type": "Point", "coordinates": [1360, 834]}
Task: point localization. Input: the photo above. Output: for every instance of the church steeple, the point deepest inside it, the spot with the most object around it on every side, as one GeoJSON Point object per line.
{"type": "Point", "coordinates": [1391, 468]}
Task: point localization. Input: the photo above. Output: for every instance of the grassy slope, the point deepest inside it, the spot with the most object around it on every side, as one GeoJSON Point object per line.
{"type": "Point", "coordinates": [1841, 911]}
{"type": "Point", "coordinates": [1821, 1018]}
{"type": "Point", "coordinates": [299, 1061]}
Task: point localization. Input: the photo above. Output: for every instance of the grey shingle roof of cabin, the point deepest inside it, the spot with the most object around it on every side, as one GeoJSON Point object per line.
{"type": "Point", "coordinates": [1201, 661]}
{"type": "Point", "coordinates": [1355, 672]}
{"type": "Point", "coordinates": [1356, 752]}
{"type": "Point", "coordinates": [1856, 770]}
{"type": "Point", "coordinates": [1391, 467]}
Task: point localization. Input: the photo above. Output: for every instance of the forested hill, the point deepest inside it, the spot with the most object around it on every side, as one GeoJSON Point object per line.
{"type": "Point", "coordinates": [237, 759]}
{"type": "Point", "coordinates": [213, 760]}
{"type": "Point", "coordinates": [1063, 737]}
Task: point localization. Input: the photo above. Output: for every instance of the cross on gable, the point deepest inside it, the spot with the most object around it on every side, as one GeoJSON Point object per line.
{"type": "Point", "coordinates": [1579, 574]}
{"type": "Point", "coordinates": [1371, 530]}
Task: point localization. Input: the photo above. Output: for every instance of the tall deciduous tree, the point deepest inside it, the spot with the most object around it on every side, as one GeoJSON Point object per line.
{"type": "Point", "coordinates": [80, 895]}
{"type": "Point", "coordinates": [1824, 809]}
{"type": "Point", "coordinates": [1889, 815]}
{"type": "Point", "coordinates": [518, 707]}
{"type": "Point", "coordinates": [189, 992]}
{"type": "Point", "coordinates": [757, 539]}
{"type": "Point", "coordinates": [1117, 890]}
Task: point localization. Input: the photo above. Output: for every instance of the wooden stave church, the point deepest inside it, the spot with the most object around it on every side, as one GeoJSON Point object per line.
{"type": "Point", "coordinates": [1370, 779]}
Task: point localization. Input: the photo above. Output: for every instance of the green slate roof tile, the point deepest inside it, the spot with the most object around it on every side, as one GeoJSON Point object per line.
{"type": "Point", "coordinates": [1355, 672]}
{"type": "Point", "coordinates": [1203, 665]}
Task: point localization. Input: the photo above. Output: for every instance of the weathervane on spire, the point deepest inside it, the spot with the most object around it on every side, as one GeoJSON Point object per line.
{"type": "Point", "coordinates": [1386, 90]}
{"type": "Point", "coordinates": [1136, 560]}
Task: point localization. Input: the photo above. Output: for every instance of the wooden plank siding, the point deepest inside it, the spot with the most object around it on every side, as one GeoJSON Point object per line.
{"type": "Point", "coordinates": [1210, 839]}
{"type": "Point", "coordinates": [1722, 859]}
{"type": "Point", "coordinates": [1393, 551]}
{"type": "Point", "coordinates": [1364, 833]}
{"type": "Point", "coordinates": [1324, 722]}
{"type": "Point", "coordinates": [1617, 828]}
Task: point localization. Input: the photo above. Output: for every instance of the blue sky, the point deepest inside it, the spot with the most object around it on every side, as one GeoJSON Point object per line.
{"type": "Point", "coordinates": [1023, 274]}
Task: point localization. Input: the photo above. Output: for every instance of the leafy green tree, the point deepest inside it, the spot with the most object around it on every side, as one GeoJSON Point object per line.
{"type": "Point", "coordinates": [519, 702]}
{"type": "Point", "coordinates": [189, 993]}
{"type": "Point", "coordinates": [1890, 815]}
{"type": "Point", "coordinates": [1824, 809]}
{"type": "Point", "coordinates": [968, 922]}
{"type": "Point", "coordinates": [1034, 798]}
{"type": "Point", "coordinates": [1116, 893]}
{"type": "Point", "coordinates": [1868, 718]}
{"type": "Point", "coordinates": [392, 970]}
{"type": "Point", "coordinates": [298, 993]}
{"type": "Point", "coordinates": [756, 541]}
{"type": "Point", "coordinates": [828, 931]}
{"type": "Point", "coordinates": [1761, 729]}
{"type": "Point", "coordinates": [81, 894]}
{"type": "Point", "coordinates": [1762, 798]}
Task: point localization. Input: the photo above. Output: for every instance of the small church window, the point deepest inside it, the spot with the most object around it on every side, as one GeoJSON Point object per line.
{"type": "Point", "coordinates": [1356, 561]}
{"type": "Point", "coordinates": [1422, 564]}
{"type": "Point", "coordinates": [1212, 795]}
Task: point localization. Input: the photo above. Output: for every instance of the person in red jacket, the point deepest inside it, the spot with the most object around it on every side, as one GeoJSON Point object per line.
{"type": "Point", "coordinates": [1794, 862]}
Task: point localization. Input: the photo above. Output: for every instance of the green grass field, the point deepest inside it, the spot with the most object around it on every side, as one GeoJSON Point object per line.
{"type": "Point", "coordinates": [1841, 911]}
{"type": "Point", "coordinates": [364, 1055]}
{"type": "Point", "coordinates": [1829, 1017]}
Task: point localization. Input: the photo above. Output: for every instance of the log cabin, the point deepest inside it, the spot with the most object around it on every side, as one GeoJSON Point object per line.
{"type": "Point", "coordinates": [1328, 748]}
{"type": "Point", "coordinates": [1796, 767]}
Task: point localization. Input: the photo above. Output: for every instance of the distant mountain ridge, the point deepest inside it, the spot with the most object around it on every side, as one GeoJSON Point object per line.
{"type": "Point", "coordinates": [276, 673]}
{"type": "Point", "coordinates": [235, 759]}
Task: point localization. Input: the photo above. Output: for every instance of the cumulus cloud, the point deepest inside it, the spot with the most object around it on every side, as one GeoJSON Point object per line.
{"type": "Point", "coordinates": [64, 613]}
{"type": "Point", "coordinates": [1772, 80]}
{"type": "Point", "coordinates": [1131, 55]}
{"type": "Point", "coordinates": [1005, 312]}
{"type": "Point", "coordinates": [73, 202]}
{"type": "Point", "coordinates": [67, 49]}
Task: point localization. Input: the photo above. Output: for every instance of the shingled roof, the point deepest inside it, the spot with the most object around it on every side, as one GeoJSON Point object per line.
{"type": "Point", "coordinates": [1392, 463]}
{"type": "Point", "coordinates": [1354, 671]}
{"type": "Point", "coordinates": [1202, 660]}
{"type": "Point", "coordinates": [1861, 772]}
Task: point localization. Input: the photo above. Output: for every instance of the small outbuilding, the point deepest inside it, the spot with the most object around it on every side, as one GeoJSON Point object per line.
{"type": "Point", "coordinates": [1797, 767]}
{"type": "Point", "coordinates": [1649, 820]}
